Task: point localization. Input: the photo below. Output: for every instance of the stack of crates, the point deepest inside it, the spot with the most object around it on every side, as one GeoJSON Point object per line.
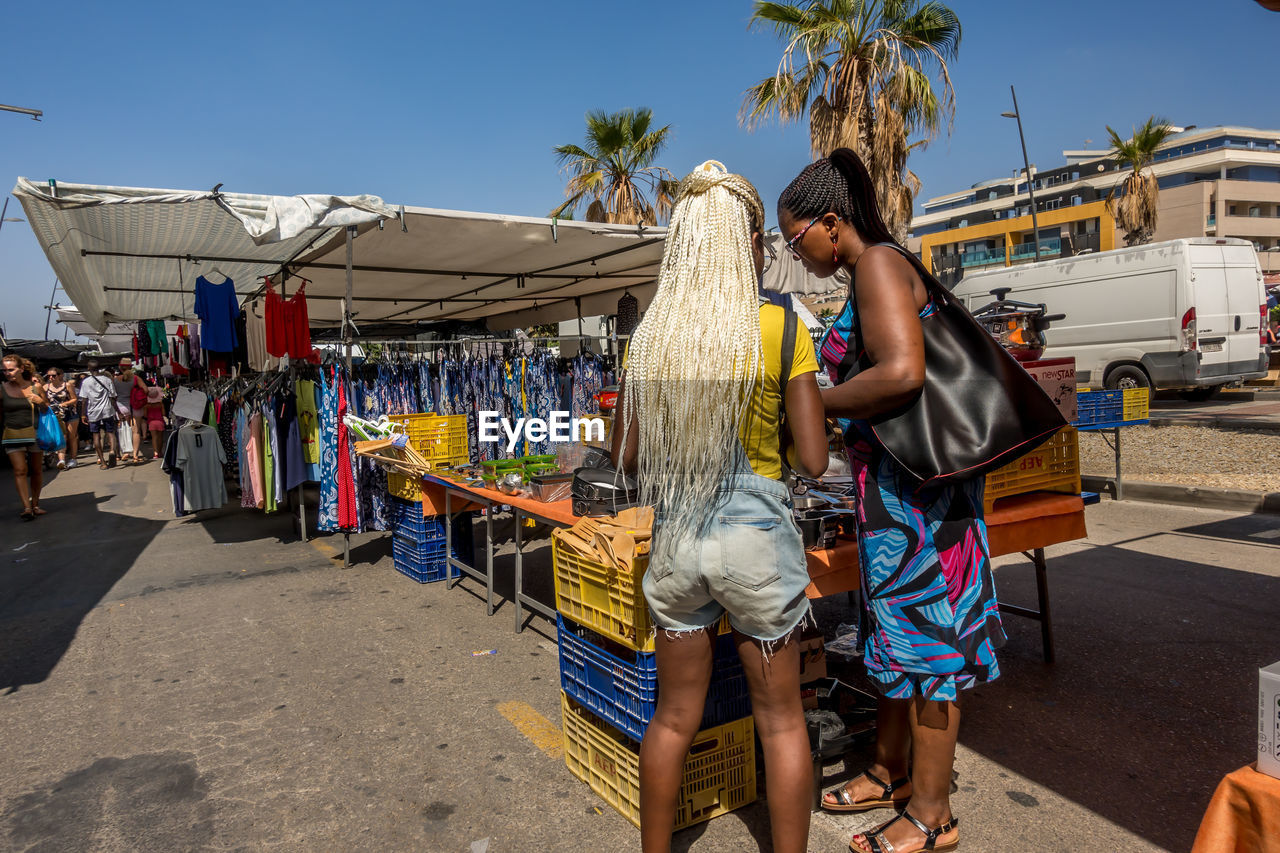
{"type": "Point", "coordinates": [439, 439]}
{"type": "Point", "coordinates": [418, 541]}
{"type": "Point", "coordinates": [609, 686]}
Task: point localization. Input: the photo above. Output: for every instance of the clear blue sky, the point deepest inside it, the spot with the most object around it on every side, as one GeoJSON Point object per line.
{"type": "Point", "coordinates": [457, 105]}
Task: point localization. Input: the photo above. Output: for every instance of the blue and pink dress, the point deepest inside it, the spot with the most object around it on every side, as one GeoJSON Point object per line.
{"type": "Point", "coordinates": [930, 618]}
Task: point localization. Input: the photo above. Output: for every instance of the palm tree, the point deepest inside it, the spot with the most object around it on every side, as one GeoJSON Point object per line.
{"type": "Point", "coordinates": [614, 169]}
{"type": "Point", "coordinates": [1136, 209]}
{"type": "Point", "coordinates": [860, 70]}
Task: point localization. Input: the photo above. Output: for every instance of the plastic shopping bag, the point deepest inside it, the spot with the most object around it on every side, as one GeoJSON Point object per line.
{"type": "Point", "coordinates": [124, 435]}
{"type": "Point", "coordinates": [49, 432]}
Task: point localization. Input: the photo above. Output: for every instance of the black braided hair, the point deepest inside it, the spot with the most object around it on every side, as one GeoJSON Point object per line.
{"type": "Point", "coordinates": [838, 184]}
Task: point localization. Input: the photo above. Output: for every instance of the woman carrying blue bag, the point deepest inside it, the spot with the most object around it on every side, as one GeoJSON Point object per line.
{"type": "Point", "coordinates": [23, 397]}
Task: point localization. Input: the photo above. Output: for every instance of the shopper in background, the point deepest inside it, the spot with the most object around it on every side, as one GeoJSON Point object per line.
{"type": "Point", "coordinates": [927, 588]}
{"type": "Point", "coordinates": [131, 398]}
{"type": "Point", "coordinates": [154, 413]}
{"type": "Point", "coordinates": [24, 397]}
{"type": "Point", "coordinates": [62, 396]}
{"type": "Point", "coordinates": [1273, 334]}
{"type": "Point", "coordinates": [700, 404]}
{"type": "Point", "coordinates": [99, 395]}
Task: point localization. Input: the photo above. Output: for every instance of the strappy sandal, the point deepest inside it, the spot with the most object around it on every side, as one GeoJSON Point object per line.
{"type": "Point", "coordinates": [879, 845]}
{"type": "Point", "coordinates": [27, 515]}
{"type": "Point", "coordinates": [845, 803]}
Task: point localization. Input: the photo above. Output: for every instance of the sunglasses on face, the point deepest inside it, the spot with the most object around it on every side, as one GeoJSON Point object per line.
{"type": "Point", "coordinates": [795, 241]}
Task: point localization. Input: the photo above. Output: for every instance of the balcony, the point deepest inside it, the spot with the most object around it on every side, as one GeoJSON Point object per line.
{"type": "Point", "coordinates": [1050, 247]}
{"type": "Point", "coordinates": [982, 259]}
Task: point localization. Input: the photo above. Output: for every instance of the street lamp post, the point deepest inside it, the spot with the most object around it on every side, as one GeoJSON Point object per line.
{"type": "Point", "coordinates": [1035, 227]}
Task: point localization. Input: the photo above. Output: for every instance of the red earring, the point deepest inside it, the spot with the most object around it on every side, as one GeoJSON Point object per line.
{"type": "Point", "coordinates": [835, 256]}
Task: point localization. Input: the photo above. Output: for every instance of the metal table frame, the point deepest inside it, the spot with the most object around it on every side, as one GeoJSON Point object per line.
{"type": "Point", "coordinates": [519, 599]}
{"type": "Point", "coordinates": [1114, 428]}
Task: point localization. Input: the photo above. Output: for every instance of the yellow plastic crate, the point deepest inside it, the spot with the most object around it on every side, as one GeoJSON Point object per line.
{"type": "Point", "coordinates": [602, 598]}
{"type": "Point", "coordinates": [719, 772]}
{"type": "Point", "coordinates": [1052, 467]}
{"type": "Point", "coordinates": [1137, 404]}
{"type": "Point", "coordinates": [404, 488]}
{"type": "Point", "coordinates": [439, 439]}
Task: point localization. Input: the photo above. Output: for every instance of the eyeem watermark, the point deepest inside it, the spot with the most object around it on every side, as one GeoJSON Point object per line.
{"type": "Point", "coordinates": [560, 428]}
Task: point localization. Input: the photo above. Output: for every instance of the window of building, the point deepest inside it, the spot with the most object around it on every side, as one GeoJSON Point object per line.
{"type": "Point", "coordinates": [991, 196]}
{"type": "Point", "coordinates": [1231, 210]}
{"type": "Point", "coordinates": [1255, 210]}
{"type": "Point", "coordinates": [1075, 176]}
{"type": "Point", "coordinates": [1076, 201]}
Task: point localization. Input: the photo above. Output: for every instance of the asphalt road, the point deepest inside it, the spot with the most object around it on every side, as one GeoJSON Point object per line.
{"type": "Point", "coordinates": [216, 684]}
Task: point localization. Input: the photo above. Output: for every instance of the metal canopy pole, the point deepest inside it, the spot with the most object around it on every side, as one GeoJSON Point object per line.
{"type": "Point", "coordinates": [347, 328]}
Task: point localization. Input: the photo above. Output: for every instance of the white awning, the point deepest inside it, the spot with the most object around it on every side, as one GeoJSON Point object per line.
{"type": "Point", "coordinates": [126, 253]}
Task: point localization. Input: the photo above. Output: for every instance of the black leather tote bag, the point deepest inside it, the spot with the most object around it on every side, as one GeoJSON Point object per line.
{"type": "Point", "coordinates": [978, 409]}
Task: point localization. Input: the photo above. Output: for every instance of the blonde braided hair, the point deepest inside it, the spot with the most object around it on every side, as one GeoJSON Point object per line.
{"type": "Point", "coordinates": [695, 359]}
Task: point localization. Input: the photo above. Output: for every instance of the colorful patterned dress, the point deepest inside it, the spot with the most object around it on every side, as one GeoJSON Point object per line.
{"type": "Point", "coordinates": [930, 618]}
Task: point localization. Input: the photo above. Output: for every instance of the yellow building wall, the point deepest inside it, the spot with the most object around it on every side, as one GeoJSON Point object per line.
{"type": "Point", "coordinates": [1006, 228]}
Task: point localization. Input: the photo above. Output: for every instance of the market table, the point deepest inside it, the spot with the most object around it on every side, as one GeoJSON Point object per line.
{"type": "Point", "coordinates": [1021, 524]}
{"type": "Point", "coordinates": [1025, 524]}
{"type": "Point", "coordinates": [1243, 816]}
{"type": "Point", "coordinates": [440, 492]}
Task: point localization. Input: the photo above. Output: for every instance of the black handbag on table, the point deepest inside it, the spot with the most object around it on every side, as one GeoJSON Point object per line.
{"type": "Point", "coordinates": [978, 410]}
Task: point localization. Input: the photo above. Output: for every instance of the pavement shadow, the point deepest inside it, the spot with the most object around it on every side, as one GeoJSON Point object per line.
{"type": "Point", "coordinates": [51, 577]}
{"type": "Point", "coordinates": [1257, 529]}
{"type": "Point", "coordinates": [1153, 696]}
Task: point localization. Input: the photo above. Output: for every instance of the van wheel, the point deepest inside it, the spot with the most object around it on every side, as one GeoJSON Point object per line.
{"type": "Point", "coordinates": [1126, 376]}
{"type": "Point", "coordinates": [1199, 395]}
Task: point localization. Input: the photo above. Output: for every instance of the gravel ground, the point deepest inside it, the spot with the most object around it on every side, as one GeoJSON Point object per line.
{"type": "Point", "coordinates": [1191, 456]}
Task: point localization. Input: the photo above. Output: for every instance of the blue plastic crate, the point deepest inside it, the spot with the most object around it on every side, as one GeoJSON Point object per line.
{"type": "Point", "coordinates": [1099, 407]}
{"type": "Point", "coordinates": [621, 686]}
{"type": "Point", "coordinates": [423, 563]}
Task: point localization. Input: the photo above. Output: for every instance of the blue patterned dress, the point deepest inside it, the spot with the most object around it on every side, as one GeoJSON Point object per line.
{"type": "Point", "coordinates": [930, 617]}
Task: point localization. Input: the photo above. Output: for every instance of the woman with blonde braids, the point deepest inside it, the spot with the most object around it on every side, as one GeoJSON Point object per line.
{"type": "Point", "coordinates": [702, 399]}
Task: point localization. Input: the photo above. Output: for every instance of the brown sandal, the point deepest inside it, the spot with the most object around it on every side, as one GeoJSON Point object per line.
{"type": "Point", "coordinates": [845, 803]}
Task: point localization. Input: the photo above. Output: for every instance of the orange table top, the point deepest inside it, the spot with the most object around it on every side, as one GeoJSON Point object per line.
{"type": "Point", "coordinates": [560, 512]}
{"type": "Point", "coordinates": [1243, 816]}
{"type": "Point", "coordinates": [1019, 523]}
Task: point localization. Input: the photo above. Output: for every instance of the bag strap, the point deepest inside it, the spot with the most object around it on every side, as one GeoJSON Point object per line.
{"type": "Point", "coordinates": [789, 323]}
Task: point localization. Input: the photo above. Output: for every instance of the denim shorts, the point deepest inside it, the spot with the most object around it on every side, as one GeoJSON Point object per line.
{"type": "Point", "coordinates": [748, 561]}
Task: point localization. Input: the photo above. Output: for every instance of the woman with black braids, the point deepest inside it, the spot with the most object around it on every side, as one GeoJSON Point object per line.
{"type": "Point", "coordinates": [929, 614]}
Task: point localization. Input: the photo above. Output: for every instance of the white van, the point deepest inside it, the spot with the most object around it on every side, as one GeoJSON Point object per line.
{"type": "Point", "coordinates": [1184, 314]}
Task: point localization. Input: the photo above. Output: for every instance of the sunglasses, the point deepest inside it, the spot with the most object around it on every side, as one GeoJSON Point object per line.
{"type": "Point", "coordinates": [794, 241]}
{"type": "Point", "coordinates": [770, 256]}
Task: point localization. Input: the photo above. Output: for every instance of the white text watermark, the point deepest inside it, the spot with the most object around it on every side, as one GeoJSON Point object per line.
{"type": "Point", "coordinates": [560, 427]}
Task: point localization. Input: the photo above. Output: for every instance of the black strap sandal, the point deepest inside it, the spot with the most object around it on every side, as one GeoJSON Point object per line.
{"type": "Point", "coordinates": [844, 803]}
{"type": "Point", "coordinates": [879, 845]}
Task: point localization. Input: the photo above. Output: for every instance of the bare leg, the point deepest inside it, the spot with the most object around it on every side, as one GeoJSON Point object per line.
{"type": "Point", "coordinates": [97, 447]}
{"type": "Point", "coordinates": [138, 428]}
{"type": "Point", "coordinates": [774, 683]}
{"type": "Point", "coordinates": [893, 747]}
{"type": "Point", "coordinates": [18, 459]}
{"type": "Point", "coordinates": [66, 443]}
{"type": "Point", "coordinates": [934, 728]}
{"type": "Point", "coordinates": [684, 673]}
{"type": "Point", "coordinates": [73, 438]}
{"type": "Point", "coordinates": [157, 441]}
{"type": "Point", "coordinates": [35, 468]}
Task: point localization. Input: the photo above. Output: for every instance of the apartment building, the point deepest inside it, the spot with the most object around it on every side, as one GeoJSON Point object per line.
{"type": "Point", "coordinates": [1216, 182]}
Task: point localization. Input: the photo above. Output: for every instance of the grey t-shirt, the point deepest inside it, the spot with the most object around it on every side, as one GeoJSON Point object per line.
{"type": "Point", "coordinates": [200, 457]}
{"type": "Point", "coordinates": [99, 394]}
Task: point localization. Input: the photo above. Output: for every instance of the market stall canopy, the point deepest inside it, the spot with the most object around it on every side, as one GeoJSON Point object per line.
{"type": "Point", "coordinates": [133, 254]}
{"type": "Point", "coordinates": [127, 253]}
{"type": "Point", "coordinates": [116, 337]}
{"type": "Point", "coordinates": [47, 353]}
{"type": "Point", "coordinates": [508, 271]}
